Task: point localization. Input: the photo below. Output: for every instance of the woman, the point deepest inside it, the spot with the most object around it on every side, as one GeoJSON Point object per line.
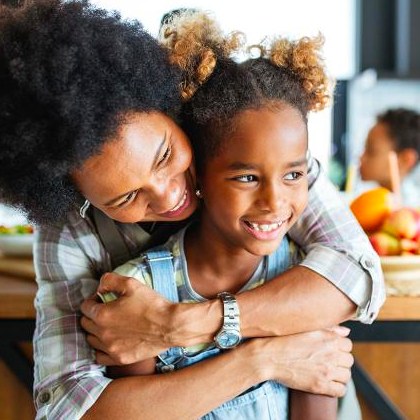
{"type": "Point", "coordinates": [86, 106]}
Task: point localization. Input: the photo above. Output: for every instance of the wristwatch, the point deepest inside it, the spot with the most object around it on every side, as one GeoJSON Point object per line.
{"type": "Point", "coordinates": [229, 335]}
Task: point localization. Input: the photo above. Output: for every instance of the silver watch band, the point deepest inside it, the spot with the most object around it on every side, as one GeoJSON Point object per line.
{"type": "Point", "coordinates": [231, 314]}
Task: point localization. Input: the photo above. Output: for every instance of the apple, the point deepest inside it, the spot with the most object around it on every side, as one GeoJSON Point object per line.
{"type": "Point", "coordinates": [408, 245]}
{"type": "Point", "coordinates": [385, 244]}
{"type": "Point", "coordinates": [403, 223]}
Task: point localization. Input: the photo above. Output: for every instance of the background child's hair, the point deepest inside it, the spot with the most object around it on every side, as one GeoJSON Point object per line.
{"type": "Point", "coordinates": [216, 88]}
{"type": "Point", "coordinates": [403, 127]}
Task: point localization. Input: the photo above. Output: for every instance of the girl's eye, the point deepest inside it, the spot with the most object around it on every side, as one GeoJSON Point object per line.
{"type": "Point", "coordinates": [165, 157]}
{"type": "Point", "coordinates": [128, 199]}
{"type": "Point", "coordinates": [246, 178]}
{"type": "Point", "coordinates": [293, 176]}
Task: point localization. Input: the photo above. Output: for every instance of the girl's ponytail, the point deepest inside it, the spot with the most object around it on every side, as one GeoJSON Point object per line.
{"type": "Point", "coordinates": [196, 43]}
{"type": "Point", "coordinates": [303, 58]}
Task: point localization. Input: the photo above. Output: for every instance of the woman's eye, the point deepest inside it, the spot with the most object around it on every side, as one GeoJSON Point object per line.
{"type": "Point", "coordinates": [246, 178]}
{"type": "Point", "coordinates": [165, 157]}
{"type": "Point", "coordinates": [128, 198]}
{"type": "Point", "coordinates": [293, 176]}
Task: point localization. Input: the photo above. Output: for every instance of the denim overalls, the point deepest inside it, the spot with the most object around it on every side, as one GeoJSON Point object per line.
{"type": "Point", "coordinates": [265, 401]}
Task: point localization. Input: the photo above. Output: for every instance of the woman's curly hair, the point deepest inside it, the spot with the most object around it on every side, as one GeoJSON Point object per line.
{"type": "Point", "coordinates": [404, 128]}
{"type": "Point", "coordinates": [69, 71]}
{"type": "Point", "coordinates": [216, 87]}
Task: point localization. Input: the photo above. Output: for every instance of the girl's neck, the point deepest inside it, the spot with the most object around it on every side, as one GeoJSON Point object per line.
{"type": "Point", "coordinates": [214, 264]}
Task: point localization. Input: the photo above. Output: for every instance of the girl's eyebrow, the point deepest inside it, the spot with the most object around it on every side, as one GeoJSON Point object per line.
{"type": "Point", "coordinates": [116, 199]}
{"type": "Point", "coordinates": [299, 162]}
{"type": "Point", "coordinates": [237, 166]}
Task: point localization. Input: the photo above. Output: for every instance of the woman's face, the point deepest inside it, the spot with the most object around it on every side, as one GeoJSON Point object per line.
{"type": "Point", "coordinates": [256, 187]}
{"type": "Point", "coordinates": [144, 173]}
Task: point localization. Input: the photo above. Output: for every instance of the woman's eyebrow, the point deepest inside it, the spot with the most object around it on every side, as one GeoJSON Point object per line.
{"type": "Point", "coordinates": [155, 160]}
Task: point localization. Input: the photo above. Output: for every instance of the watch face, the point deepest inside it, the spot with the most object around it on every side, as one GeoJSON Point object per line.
{"type": "Point", "coordinates": [227, 339]}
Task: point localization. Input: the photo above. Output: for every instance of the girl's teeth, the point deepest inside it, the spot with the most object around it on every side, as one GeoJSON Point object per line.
{"type": "Point", "coordinates": [265, 228]}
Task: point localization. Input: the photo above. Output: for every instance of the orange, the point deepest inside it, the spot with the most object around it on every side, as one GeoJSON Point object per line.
{"type": "Point", "coordinates": [372, 207]}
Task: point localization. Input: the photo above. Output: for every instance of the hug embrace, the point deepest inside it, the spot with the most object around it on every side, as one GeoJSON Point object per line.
{"type": "Point", "coordinates": [177, 183]}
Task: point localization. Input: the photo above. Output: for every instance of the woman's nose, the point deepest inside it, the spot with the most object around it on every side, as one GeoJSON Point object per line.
{"type": "Point", "coordinates": [162, 195]}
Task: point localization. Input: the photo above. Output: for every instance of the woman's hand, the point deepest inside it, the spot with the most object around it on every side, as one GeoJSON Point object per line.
{"type": "Point", "coordinates": [134, 327]}
{"type": "Point", "coordinates": [318, 362]}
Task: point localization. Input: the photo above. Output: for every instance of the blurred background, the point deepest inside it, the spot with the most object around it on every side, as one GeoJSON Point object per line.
{"type": "Point", "coordinates": [371, 51]}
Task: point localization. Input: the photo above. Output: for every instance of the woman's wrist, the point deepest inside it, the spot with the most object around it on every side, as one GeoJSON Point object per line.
{"type": "Point", "coordinates": [195, 323]}
{"type": "Point", "coordinates": [255, 354]}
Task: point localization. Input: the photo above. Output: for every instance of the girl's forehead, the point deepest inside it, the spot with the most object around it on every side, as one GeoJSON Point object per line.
{"type": "Point", "coordinates": [266, 126]}
{"type": "Point", "coordinates": [264, 136]}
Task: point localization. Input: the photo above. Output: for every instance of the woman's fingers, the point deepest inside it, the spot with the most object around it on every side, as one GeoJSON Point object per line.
{"type": "Point", "coordinates": [103, 359]}
{"type": "Point", "coordinates": [345, 344]}
{"type": "Point", "coordinates": [94, 342]}
{"type": "Point", "coordinates": [345, 360]}
{"type": "Point", "coordinates": [335, 389]}
{"type": "Point", "coordinates": [89, 326]}
{"type": "Point", "coordinates": [122, 285]}
{"type": "Point", "coordinates": [340, 330]}
{"type": "Point", "coordinates": [342, 375]}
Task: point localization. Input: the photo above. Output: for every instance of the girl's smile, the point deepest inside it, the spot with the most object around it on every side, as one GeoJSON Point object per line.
{"type": "Point", "coordinates": [266, 230]}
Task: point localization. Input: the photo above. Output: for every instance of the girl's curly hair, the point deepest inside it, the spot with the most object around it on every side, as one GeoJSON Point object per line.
{"type": "Point", "coordinates": [69, 72]}
{"type": "Point", "coordinates": [217, 87]}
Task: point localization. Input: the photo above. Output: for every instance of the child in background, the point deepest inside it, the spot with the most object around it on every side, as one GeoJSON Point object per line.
{"type": "Point", "coordinates": [248, 124]}
{"type": "Point", "coordinates": [395, 130]}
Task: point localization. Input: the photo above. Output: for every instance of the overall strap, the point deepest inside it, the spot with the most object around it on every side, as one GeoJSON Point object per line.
{"type": "Point", "coordinates": [279, 260]}
{"type": "Point", "coordinates": [111, 238]}
{"type": "Point", "coordinates": [159, 260]}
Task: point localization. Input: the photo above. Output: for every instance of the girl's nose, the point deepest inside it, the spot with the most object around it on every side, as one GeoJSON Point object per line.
{"type": "Point", "coordinates": [271, 199]}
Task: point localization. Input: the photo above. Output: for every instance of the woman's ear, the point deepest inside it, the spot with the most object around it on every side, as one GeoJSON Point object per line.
{"type": "Point", "coordinates": [407, 159]}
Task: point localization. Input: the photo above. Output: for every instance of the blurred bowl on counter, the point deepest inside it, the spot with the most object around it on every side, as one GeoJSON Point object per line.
{"type": "Point", "coordinates": [402, 275]}
{"type": "Point", "coordinates": [16, 235]}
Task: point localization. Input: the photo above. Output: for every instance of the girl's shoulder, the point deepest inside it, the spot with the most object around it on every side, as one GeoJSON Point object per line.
{"type": "Point", "coordinates": [138, 269]}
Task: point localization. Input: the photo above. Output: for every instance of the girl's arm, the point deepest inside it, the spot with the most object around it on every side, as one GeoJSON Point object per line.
{"type": "Point", "coordinates": [304, 405]}
{"type": "Point", "coordinates": [145, 367]}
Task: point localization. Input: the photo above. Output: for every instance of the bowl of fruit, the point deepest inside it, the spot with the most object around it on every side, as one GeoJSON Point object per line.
{"type": "Point", "coordinates": [16, 240]}
{"type": "Point", "coordinates": [395, 236]}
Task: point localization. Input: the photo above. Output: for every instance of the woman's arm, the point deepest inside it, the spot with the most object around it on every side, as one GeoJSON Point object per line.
{"type": "Point", "coordinates": [304, 405]}
{"type": "Point", "coordinates": [285, 359]}
{"type": "Point", "coordinates": [339, 279]}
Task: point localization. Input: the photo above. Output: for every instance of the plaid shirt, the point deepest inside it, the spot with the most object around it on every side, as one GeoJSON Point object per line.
{"type": "Point", "coordinates": [70, 259]}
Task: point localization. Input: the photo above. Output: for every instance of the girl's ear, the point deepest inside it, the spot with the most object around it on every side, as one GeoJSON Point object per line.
{"type": "Point", "coordinates": [407, 159]}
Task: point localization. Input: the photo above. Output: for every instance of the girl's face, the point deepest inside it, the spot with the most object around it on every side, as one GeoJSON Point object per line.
{"type": "Point", "coordinates": [143, 174]}
{"type": "Point", "coordinates": [374, 163]}
{"type": "Point", "coordinates": [256, 188]}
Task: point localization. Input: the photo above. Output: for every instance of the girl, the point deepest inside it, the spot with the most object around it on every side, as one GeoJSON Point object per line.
{"type": "Point", "coordinates": [249, 125]}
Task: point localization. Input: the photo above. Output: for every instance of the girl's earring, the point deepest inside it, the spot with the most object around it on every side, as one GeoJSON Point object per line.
{"type": "Point", "coordinates": [198, 193]}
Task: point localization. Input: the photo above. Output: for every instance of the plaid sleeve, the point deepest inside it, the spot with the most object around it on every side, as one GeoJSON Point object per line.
{"type": "Point", "coordinates": [337, 248]}
{"type": "Point", "coordinates": [67, 380]}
